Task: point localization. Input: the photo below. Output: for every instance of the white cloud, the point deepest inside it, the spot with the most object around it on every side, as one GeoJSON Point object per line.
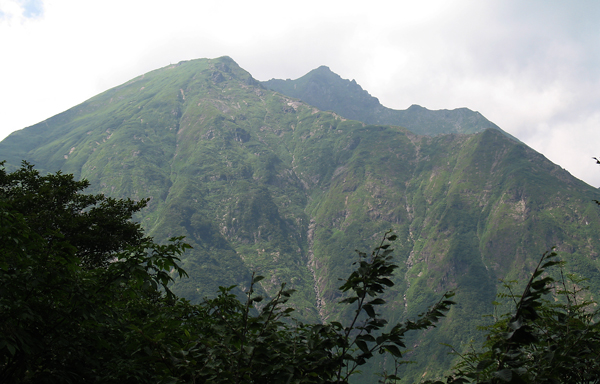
{"type": "Point", "coordinates": [531, 67]}
{"type": "Point", "coordinates": [18, 11]}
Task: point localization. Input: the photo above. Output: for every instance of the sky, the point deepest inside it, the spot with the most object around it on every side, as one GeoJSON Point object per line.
{"type": "Point", "coordinates": [532, 67]}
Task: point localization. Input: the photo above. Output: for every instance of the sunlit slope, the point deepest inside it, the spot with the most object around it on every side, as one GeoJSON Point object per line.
{"type": "Point", "coordinates": [261, 182]}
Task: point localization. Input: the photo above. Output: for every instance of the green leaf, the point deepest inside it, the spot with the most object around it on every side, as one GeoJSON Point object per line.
{"type": "Point", "coordinates": [504, 375]}
{"type": "Point", "coordinates": [483, 364]}
{"type": "Point", "coordinates": [376, 301]}
{"type": "Point", "coordinates": [516, 324]}
{"type": "Point", "coordinates": [395, 351]}
{"type": "Point", "coordinates": [11, 349]}
{"type": "Point", "coordinates": [256, 279]}
{"type": "Point", "coordinates": [369, 309]}
{"type": "Point", "coordinates": [362, 345]}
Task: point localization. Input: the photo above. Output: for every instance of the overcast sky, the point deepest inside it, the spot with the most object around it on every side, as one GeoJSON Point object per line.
{"type": "Point", "coordinates": [531, 67]}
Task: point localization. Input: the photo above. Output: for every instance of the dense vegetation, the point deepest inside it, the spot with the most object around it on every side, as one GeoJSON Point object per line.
{"type": "Point", "coordinates": [552, 335]}
{"type": "Point", "coordinates": [79, 282]}
{"type": "Point", "coordinates": [261, 182]}
{"type": "Point", "coordinates": [84, 297]}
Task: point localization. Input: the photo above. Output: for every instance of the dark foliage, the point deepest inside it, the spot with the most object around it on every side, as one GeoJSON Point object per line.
{"type": "Point", "coordinates": [75, 275]}
{"type": "Point", "coordinates": [84, 297]}
{"type": "Point", "coordinates": [552, 336]}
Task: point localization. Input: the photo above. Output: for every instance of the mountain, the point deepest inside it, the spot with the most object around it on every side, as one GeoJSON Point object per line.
{"type": "Point", "coordinates": [262, 182]}
{"type": "Point", "coordinates": [329, 92]}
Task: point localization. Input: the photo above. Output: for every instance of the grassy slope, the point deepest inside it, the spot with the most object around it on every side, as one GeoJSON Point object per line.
{"type": "Point", "coordinates": [258, 181]}
{"type": "Point", "coordinates": [328, 91]}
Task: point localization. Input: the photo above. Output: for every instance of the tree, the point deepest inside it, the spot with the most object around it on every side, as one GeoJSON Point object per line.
{"type": "Point", "coordinates": [73, 270]}
{"type": "Point", "coordinates": [84, 297]}
{"type": "Point", "coordinates": [551, 336]}
{"type": "Point", "coordinates": [53, 206]}
{"type": "Point", "coordinates": [233, 345]}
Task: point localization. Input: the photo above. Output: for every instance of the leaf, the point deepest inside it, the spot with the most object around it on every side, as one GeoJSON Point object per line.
{"type": "Point", "coordinates": [256, 279]}
{"type": "Point", "coordinates": [362, 345]}
{"type": "Point", "coordinates": [376, 301]}
{"type": "Point", "coordinates": [369, 309]}
{"type": "Point", "coordinates": [349, 300]}
{"type": "Point", "coordinates": [483, 364]}
{"type": "Point", "coordinates": [337, 324]}
{"type": "Point", "coordinates": [504, 375]}
{"type": "Point", "coordinates": [366, 337]}
{"type": "Point", "coordinates": [516, 324]}
{"type": "Point", "coordinates": [550, 263]}
{"type": "Point", "coordinates": [11, 349]}
{"type": "Point", "coordinates": [395, 351]}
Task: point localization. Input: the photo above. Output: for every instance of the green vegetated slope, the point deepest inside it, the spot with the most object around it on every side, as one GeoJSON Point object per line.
{"type": "Point", "coordinates": [328, 91]}
{"type": "Point", "coordinates": [262, 182]}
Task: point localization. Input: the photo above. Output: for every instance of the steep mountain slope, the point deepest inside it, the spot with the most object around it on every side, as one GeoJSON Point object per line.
{"type": "Point", "coordinates": [329, 92]}
{"type": "Point", "coordinates": [261, 182]}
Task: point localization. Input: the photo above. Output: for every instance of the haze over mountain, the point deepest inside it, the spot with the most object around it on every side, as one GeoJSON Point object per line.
{"type": "Point", "coordinates": [329, 92]}
{"type": "Point", "coordinates": [259, 181]}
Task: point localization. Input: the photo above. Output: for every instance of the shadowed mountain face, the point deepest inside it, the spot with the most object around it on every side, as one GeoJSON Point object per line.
{"type": "Point", "coordinates": [329, 92]}
{"type": "Point", "coordinates": [262, 182]}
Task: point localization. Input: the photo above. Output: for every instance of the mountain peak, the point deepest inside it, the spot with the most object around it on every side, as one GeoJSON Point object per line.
{"type": "Point", "coordinates": [326, 90]}
{"type": "Point", "coordinates": [323, 68]}
{"type": "Point", "coordinates": [258, 182]}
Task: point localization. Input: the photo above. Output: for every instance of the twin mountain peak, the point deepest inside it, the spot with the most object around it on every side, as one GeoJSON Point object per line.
{"type": "Point", "coordinates": [286, 178]}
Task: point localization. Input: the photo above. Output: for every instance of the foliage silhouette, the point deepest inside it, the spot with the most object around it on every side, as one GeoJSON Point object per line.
{"type": "Point", "coordinates": [552, 336]}
{"type": "Point", "coordinates": [84, 297]}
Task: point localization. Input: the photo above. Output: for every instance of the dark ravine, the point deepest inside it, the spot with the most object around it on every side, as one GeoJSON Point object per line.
{"type": "Point", "coordinates": [259, 181]}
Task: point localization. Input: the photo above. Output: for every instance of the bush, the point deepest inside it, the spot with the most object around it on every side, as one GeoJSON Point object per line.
{"type": "Point", "coordinates": [84, 297]}
{"type": "Point", "coordinates": [551, 336]}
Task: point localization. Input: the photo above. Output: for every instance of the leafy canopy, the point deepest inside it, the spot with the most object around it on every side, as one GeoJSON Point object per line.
{"type": "Point", "coordinates": [74, 272]}
{"type": "Point", "coordinates": [551, 336]}
{"type": "Point", "coordinates": [84, 297]}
